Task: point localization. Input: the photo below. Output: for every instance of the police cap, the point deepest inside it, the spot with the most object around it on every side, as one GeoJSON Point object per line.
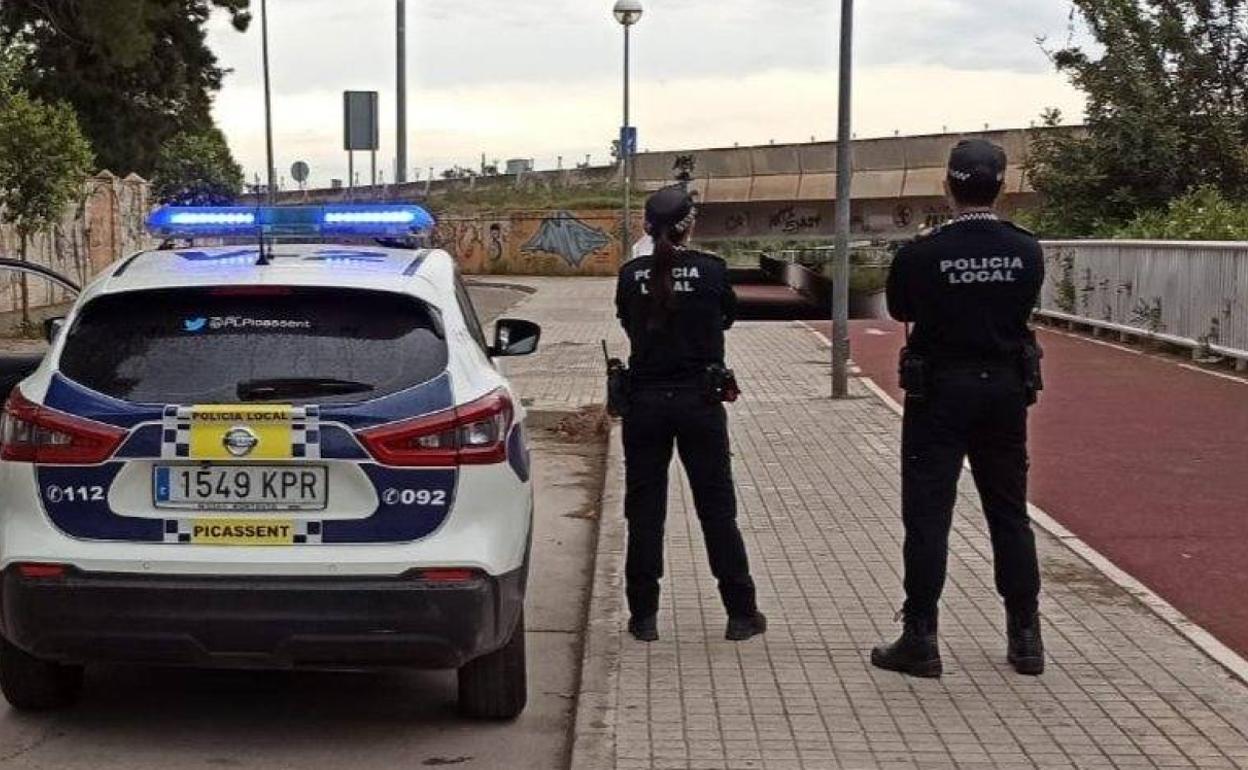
{"type": "Point", "coordinates": [977, 162]}
{"type": "Point", "coordinates": [670, 207]}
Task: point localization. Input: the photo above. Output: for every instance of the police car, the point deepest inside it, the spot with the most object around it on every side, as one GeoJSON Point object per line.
{"type": "Point", "coordinates": [271, 454]}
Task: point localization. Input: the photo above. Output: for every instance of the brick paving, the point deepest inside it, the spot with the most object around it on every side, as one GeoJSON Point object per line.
{"type": "Point", "coordinates": [576, 314]}
{"type": "Point", "coordinates": [819, 493]}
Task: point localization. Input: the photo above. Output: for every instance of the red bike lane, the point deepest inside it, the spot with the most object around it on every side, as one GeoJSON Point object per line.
{"type": "Point", "coordinates": [1145, 460]}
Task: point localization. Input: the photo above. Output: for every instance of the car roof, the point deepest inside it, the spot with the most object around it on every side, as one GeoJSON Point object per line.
{"type": "Point", "coordinates": [426, 273]}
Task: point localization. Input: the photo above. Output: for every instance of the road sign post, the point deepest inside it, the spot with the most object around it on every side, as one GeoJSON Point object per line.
{"type": "Point", "coordinates": [361, 130]}
{"type": "Point", "coordinates": [299, 171]}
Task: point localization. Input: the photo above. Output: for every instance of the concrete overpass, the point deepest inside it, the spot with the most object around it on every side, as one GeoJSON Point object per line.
{"type": "Point", "coordinates": [771, 192]}
{"type": "Point", "coordinates": [789, 191]}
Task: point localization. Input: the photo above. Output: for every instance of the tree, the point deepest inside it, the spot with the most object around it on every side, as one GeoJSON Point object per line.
{"type": "Point", "coordinates": [10, 68]}
{"type": "Point", "coordinates": [1167, 90]}
{"type": "Point", "coordinates": [136, 71]}
{"type": "Point", "coordinates": [44, 160]}
{"type": "Point", "coordinates": [197, 170]}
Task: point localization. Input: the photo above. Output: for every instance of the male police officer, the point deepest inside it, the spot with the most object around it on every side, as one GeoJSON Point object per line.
{"type": "Point", "coordinates": [970, 370]}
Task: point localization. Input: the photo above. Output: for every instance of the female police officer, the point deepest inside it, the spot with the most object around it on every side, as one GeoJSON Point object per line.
{"type": "Point", "coordinates": [675, 305]}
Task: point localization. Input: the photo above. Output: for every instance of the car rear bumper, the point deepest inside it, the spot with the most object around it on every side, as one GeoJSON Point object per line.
{"type": "Point", "coordinates": [260, 622]}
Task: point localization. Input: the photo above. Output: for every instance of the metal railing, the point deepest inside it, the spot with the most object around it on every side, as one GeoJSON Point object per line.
{"type": "Point", "coordinates": [1191, 294]}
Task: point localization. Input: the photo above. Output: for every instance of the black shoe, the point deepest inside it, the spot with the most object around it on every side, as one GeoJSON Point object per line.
{"type": "Point", "coordinates": [644, 629]}
{"type": "Point", "coordinates": [1026, 646]}
{"type": "Point", "coordinates": [746, 627]}
{"type": "Point", "coordinates": [916, 653]}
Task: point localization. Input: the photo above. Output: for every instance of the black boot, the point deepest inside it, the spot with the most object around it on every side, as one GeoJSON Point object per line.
{"type": "Point", "coordinates": [644, 629]}
{"type": "Point", "coordinates": [1026, 647]}
{"type": "Point", "coordinates": [916, 653]}
{"type": "Point", "coordinates": [746, 627]}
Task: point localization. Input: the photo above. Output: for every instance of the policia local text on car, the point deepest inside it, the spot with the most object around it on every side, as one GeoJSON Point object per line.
{"type": "Point", "coordinates": [970, 371]}
{"type": "Point", "coordinates": [675, 305]}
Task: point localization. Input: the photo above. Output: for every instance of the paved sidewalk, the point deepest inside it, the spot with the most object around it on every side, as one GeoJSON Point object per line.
{"type": "Point", "coordinates": [819, 491]}
{"type": "Point", "coordinates": [576, 314]}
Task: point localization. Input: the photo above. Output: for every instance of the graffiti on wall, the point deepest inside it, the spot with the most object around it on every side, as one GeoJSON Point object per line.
{"type": "Point", "coordinates": [792, 220]}
{"type": "Point", "coordinates": [568, 237]}
{"type": "Point", "coordinates": [533, 243]}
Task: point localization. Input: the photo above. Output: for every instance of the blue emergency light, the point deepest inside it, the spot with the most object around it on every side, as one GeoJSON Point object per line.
{"type": "Point", "coordinates": [379, 221]}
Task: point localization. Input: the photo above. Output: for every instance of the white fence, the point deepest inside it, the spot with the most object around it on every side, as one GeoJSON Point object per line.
{"type": "Point", "coordinates": [1185, 293]}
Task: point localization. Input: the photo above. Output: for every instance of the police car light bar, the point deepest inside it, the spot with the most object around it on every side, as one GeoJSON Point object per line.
{"type": "Point", "coordinates": [380, 221]}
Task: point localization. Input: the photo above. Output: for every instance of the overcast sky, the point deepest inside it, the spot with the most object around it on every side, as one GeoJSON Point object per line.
{"type": "Point", "coordinates": [542, 79]}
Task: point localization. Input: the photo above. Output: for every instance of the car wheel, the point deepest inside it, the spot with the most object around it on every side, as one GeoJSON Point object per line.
{"type": "Point", "coordinates": [495, 686]}
{"type": "Point", "coordinates": [31, 684]}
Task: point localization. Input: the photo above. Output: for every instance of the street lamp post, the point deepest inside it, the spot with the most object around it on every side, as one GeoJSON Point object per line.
{"type": "Point", "coordinates": [268, 99]}
{"type": "Point", "coordinates": [844, 189]}
{"type": "Point", "coordinates": [627, 13]}
{"type": "Point", "coordinates": [400, 172]}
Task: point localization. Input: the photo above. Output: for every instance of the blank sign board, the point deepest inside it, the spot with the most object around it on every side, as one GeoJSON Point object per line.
{"type": "Point", "coordinates": [360, 121]}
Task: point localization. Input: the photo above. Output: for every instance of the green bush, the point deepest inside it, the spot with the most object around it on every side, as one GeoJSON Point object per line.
{"type": "Point", "coordinates": [1203, 214]}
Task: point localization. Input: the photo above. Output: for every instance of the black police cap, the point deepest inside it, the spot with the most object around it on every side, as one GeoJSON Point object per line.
{"type": "Point", "coordinates": [977, 161]}
{"type": "Point", "coordinates": [669, 207]}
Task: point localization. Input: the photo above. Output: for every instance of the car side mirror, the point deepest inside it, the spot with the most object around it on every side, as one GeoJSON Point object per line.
{"type": "Point", "coordinates": [515, 338]}
{"type": "Point", "coordinates": [52, 329]}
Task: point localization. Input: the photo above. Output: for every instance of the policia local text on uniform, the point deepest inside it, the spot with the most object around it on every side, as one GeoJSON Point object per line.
{"type": "Point", "coordinates": [970, 372]}
{"type": "Point", "coordinates": [675, 305]}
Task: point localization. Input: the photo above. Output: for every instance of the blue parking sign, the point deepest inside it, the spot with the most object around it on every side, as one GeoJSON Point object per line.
{"type": "Point", "coordinates": [628, 141]}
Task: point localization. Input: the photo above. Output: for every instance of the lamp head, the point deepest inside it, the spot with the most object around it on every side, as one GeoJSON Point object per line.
{"type": "Point", "coordinates": [628, 12]}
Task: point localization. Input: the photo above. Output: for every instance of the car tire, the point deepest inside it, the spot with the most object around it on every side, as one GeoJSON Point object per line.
{"type": "Point", "coordinates": [32, 684]}
{"type": "Point", "coordinates": [495, 686]}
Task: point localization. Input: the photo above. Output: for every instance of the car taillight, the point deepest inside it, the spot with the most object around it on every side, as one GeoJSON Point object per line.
{"type": "Point", "coordinates": [30, 433]}
{"type": "Point", "coordinates": [41, 571]}
{"type": "Point", "coordinates": [448, 575]}
{"type": "Point", "coordinates": [251, 291]}
{"type": "Point", "coordinates": [473, 434]}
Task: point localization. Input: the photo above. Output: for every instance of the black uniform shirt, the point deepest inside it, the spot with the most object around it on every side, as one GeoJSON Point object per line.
{"type": "Point", "coordinates": [969, 289]}
{"type": "Point", "coordinates": [692, 338]}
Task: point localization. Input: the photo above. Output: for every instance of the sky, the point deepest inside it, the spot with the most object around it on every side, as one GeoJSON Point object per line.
{"type": "Point", "coordinates": [543, 79]}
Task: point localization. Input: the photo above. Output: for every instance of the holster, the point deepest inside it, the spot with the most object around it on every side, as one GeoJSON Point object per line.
{"type": "Point", "coordinates": [619, 388]}
{"type": "Point", "coordinates": [1033, 371]}
{"type": "Point", "coordinates": [720, 385]}
{"type": "Point", "coordinates": [914, 372]}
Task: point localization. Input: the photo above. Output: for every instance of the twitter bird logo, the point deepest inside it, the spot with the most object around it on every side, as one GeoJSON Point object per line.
{"type": "Point", "coordinates": [195, 324]}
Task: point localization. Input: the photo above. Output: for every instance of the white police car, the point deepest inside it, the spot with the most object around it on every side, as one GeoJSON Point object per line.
{"type": "Point", "coordinates": [293, 456]}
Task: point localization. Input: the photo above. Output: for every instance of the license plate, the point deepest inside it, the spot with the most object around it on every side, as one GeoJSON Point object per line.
{"type": "Point", "coordinates": [244, 489]}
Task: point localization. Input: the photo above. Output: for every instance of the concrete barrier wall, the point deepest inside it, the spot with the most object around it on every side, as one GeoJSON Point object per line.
{"type": "Point", "coordinates": [105, 226]}
{"type": "Point", "coordinates": [577, 243]}
{"type": "Point", "coordinates": [879, 219]}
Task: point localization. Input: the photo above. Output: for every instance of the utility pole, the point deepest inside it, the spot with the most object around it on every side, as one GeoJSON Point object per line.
{"type": "Point", "coordinates": [268, 99]}
{"type": "Point", "coordinates": [626, 153]}
{"type": "Point", "coordinates": [844, 189]}
{"type": "Point", "coordinates": [627, 13]}
{"type": "Point", "coordinates": [401, 171]}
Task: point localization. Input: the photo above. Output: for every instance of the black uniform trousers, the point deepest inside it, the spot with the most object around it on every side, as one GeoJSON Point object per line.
{"type": "Point", "coordinates": [980, 413]}
{"type": "Point", "coordinates": [657, 420]}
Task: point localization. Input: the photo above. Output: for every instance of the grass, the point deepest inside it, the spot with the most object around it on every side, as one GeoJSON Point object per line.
{"type": "Point", "coordinates": [494, 198]}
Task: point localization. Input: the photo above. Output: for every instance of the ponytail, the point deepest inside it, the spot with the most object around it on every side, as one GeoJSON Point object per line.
{"type": "Point", "coordinates": [662, 284]}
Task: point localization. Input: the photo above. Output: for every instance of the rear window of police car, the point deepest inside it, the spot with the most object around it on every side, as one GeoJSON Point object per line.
{"type": "Point", "coordinates": [213, 346]}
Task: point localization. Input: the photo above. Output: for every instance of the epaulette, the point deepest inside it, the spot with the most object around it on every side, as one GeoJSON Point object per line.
{"type": "Point", "coordinates": [1018, 227]}
{"type": "Point", "coordinates": [929, 232]}
{"type": "Point", "coordinates": [631, 260]}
